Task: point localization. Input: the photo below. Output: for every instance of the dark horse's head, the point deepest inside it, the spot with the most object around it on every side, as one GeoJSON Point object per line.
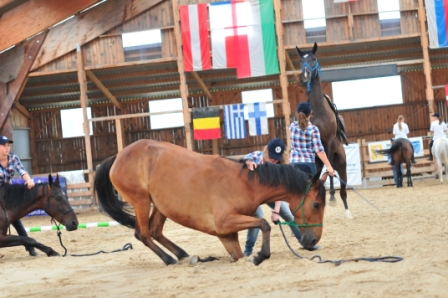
{"type": "Point", "coordinates": [58, 206]}
{"type": "Point", "coordinates": [308, 65]}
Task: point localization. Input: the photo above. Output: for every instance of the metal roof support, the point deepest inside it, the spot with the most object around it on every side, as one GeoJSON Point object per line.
{"type": "Point", "coordinates": [180, 67]}
{"type": "Point", "coordinates": [281, 58]}
{"type": "Point", "coordinates": [83, 99]}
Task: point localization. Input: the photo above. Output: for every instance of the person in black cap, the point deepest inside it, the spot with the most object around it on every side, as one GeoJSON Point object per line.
{"type": "Point", "coordinates": [438, 130]}
{"type": "Point", "coordinates": [274, 152]}
{"type": "Point", "coordinates": [306, 143]}
{"type": "Point", "coordinates": [8, 163]}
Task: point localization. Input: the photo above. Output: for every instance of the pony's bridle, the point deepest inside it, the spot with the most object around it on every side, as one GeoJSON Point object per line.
{"type": "Point", "coordinates": [304, 224]}
{"type": "Point", "coordinates": [59, 209]}
{"type": "Point", "coordinates": [314, 71]}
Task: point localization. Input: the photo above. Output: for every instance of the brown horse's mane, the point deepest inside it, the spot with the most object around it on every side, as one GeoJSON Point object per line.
{"type": "Point", "coordinates": [18, 196]}
{"type": "Point", "coordinates": [274, 175]}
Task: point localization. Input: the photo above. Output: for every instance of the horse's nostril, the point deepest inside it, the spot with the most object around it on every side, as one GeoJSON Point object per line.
{"type": "Point", "coordinates": [74, 223]}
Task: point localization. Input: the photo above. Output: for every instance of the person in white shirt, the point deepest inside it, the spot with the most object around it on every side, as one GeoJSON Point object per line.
{"type": "Point", "coordinates": [438, 130]}
{"type": "Point", "coordinates": [400, 129]}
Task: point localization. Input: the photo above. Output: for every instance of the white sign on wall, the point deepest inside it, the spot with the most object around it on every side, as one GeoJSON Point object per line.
{"type": "Point", "coordinates": [354, 176]}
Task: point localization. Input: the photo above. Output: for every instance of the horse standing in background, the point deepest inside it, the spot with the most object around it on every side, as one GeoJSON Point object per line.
{"type": "Point", "coordinates": [440, 152]}
{"type": "Point", "coordinates": [327, 119]}
{"type": "Point", "coordinates": [401, 151]}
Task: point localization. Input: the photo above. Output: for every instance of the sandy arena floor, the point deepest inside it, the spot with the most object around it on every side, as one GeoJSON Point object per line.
{"type": "Point", "coordinates": [414, 226]}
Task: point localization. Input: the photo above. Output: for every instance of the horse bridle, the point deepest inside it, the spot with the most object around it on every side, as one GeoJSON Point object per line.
{"type": "Point", "coordinates": [304, 224]}
{"type": "Point", "coordinates": [48, 204]}
{"type": "Point", "coordinates": [315, 70]}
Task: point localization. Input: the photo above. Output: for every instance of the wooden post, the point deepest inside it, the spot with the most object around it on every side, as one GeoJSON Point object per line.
{"type": "Point", "coordinates": [119, 134]}
{"type": "Point", "coordinates": [83, 99]}
{"type": "Point", "coordinates": [350, 22]}
{"type": "Point", "coordinates": [426, 62]}
{"type": "Point", "coordinates": [180, 67]}
{"type": "Point", "coordinates": [282, 60]}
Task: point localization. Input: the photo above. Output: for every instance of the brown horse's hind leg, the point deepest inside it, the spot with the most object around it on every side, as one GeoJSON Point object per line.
{"type": "Point", "coordinates": [156, 223]}
{"type": "Point", "coordinates": [142, 229]}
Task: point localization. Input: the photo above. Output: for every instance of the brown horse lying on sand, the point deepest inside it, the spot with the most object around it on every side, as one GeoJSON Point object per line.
{"type": "Point", "coordinates": [211, 194]}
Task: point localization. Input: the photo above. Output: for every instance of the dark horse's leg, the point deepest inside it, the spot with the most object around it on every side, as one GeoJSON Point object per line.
{"type": "Point", "coordinates": [13, 240]}
{"type": "Point", "coordinates": [397, 166]}
{"type": "Point", "coordinates": [408, 172]}
{"type": "Point", "coordinates": [340, 165]}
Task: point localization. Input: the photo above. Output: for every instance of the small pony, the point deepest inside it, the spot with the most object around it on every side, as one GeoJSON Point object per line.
{"type": "Point", "coordinates": [208, 193]}
{"type": "Point", "coordinates": [401, 151]}
{"type": "Point", "coordinates": [440, 152]}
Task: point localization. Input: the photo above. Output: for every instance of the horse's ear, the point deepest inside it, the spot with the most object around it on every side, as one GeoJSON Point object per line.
{"type": "Point", "coordinates": [57, 179]}
{"type": "Point", "coordinates": [315, 48]}
{"type": "Point", "coordinates": [299, 51]}
{"type": "Point", "coordinates": [50, 180]}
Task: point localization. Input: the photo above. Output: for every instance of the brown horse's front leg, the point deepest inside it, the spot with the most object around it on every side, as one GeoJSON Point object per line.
{"type": "Point", "coordinates": [13, 240]}
{"type": "Point", "coordinates": [265, 252]}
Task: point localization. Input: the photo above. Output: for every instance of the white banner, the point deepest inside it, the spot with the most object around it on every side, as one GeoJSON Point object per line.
{"type": "Point", "coordinates": [354, 176]}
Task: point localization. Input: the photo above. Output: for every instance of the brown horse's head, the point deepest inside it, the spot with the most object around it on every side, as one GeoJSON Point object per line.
{"type": "Point", "coordinates": [308, 211]}
{"type": "Point", "coordinates": [58, 206]}
{"type": "Point", "coordinates": [308, 65]}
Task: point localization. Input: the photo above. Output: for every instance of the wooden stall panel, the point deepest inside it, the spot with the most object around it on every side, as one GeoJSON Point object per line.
{"type": "Point", "coordinates": [103, 51]}
{"type": "Point", "coordinates": [409, 22]}
{"type": "Point", "coordinates": [413, 86]}
{"type": "Point", "coordinates": [366, 26]}
{"type": "Point", "coordinates": [337, 29]}
{"type": "Point", "coordinates": [408, 4]}
{"type": "Point", "coordinates": [292, 19]}
{"type": "Point", "coordinates": [64, 63]}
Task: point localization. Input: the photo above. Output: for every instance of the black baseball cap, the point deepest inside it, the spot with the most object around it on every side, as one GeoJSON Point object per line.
{"type": "Point", "coordinates": [4, 140]}
{"type": "Point", "coordinates": [276, 147]}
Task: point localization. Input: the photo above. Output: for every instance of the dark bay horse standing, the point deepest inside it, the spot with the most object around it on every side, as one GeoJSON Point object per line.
{"type": "Point", "coordinates": [16, 201]}
{"type": "Point", "coordinates": [326, 118]}
{"type": "Point", "coordinates": [401, 151]}
{"type": "Point", "coordinates": [211, 194]}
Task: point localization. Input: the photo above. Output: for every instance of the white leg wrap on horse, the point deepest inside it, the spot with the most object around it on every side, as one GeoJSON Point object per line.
{"type": "Point", "coordinates": [348, 214]}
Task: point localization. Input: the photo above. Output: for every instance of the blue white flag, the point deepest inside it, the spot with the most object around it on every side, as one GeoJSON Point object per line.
{"type": "Point", "coordinates": [234, 125]}
{"type": "Point", "coordinates": [437, 17]}
{"type": "Point", "coordinates": [258, 119]}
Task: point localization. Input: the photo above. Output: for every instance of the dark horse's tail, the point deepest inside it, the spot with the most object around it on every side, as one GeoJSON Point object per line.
{"type": "Point", "coordinates": [107, 197]}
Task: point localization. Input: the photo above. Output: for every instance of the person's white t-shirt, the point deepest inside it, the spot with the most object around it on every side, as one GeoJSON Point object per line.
{"type": "Point", "coordinates": [438, 129]}
{"type": "Point", "coordinates": [403, 133]}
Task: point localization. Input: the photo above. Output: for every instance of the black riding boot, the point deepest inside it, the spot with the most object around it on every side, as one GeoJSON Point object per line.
{"type": "Point", "coordinates": [22, 232]}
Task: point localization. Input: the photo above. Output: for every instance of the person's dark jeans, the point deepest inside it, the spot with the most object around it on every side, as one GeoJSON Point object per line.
{"type": "Point", "coordinates": [22, 232]}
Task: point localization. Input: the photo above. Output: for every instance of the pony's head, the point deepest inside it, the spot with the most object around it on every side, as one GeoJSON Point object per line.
{"type": "Point", "coordinates": [308, 211]}
{"type": "Point", "coordinates": [58, 206]}
{"type": "Point", "coordinates": [308, 65]}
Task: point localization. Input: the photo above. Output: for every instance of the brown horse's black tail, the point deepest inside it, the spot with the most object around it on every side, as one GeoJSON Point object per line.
{"type": "Point", "coordinates": [107, 197]}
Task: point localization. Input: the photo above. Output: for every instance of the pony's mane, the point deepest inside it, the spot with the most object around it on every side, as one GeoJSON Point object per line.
{"type": "Point", "coordinates": [274, 175]}
{"type": "Point", "coordinates": [17, 196]}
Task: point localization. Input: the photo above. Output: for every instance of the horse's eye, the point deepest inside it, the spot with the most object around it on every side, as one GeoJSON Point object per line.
{"type": "Point", "coordinates": [58, 198]}
{"type": "Point", "coordinates": [316, 205]}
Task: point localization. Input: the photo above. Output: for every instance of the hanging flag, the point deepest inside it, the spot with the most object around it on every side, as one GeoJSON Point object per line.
{"type": "Point", "coordinates": [206, 124]}
{"type": "Point", "coordinates": [243, 37]}
{"type": "Point", "coordinates": [234, 125]}
{"type": "Point", "coordinates": [437, 18]}
{"type": "Point", "coordinates": [446, 95]}
{"type": "Point", "coordinates": [258, 120]}
{"type": "Point", "coordinates": [342, 1]}
{"type": "Point", "coordinates": [195, 42]}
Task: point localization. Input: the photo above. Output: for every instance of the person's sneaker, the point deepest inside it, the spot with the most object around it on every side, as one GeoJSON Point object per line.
{"type": "Point", "coordinates": [246, 253]}
{"type": "Point", "coordinates": [430, 158]}
{"type": "Point", "coordinates": [32, 252]}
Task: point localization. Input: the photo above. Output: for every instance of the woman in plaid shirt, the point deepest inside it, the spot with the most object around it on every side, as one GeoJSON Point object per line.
{"type": "Point", "coordinates": [305, 142]}
{"type": "Point", "coordinates": [274, 153]}
{"type": "Point", "coordinates": [8, 163]}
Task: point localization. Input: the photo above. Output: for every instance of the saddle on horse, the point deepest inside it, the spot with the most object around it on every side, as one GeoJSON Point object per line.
{"type": "Point", "coordinates": [340, 129]}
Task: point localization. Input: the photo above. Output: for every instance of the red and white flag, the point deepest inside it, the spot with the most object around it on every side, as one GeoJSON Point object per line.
{"type": "Point", "coordinates": [446, 94]}
{"type": "Point", "coordinates": [342, 1]}
{"type": "Point", "coordinates": [195, 41]}
{"type": "Point", "coordinates": [243, 37]}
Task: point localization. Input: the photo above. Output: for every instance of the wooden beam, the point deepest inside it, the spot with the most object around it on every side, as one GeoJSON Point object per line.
{"type": "Point", "coordinates": [282, 60]}
{"type": "Point", "coordinates": [426, 62]}
{"type": "Point", "coordinates": [202, 84]}
{"type": "Point", "coordinates": [83, 98]}
{"type": "Point", "coordinates": [63, 39]}
{"type": "Point", "coordinates": [53, 115]}
{"type": "Point", "coordinates": [35, 16]}
{"type": "Point", "coordinates": [103, 89]}
{"type": "Point", "coordinates": [22, 110]}
{"type": "Point", "coordinates": [17, 85]}
{"type": "Point", "coordinates": [180, 66]}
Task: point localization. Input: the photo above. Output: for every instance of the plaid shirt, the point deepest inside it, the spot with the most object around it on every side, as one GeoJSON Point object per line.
{"type": "Point", "coordinates": [7, 173]}
{"type": "Point", "coordinates": [304, 144]}
{"type": "Point", "coordinates": [256, 157]}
